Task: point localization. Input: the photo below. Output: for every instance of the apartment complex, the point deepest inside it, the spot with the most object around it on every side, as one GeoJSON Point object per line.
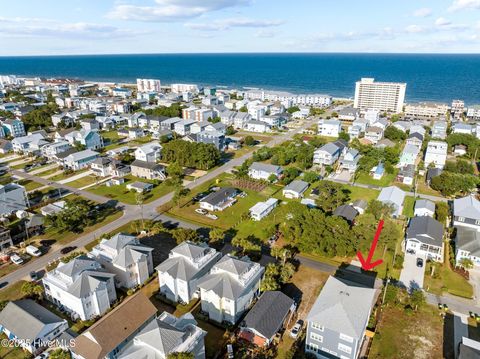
{"type": "Point", "coordinates": [426, 109]}
{"type": "Point", "coordinates": [148, 85]}
{"type": "Point", "coordinates": [383, 96]}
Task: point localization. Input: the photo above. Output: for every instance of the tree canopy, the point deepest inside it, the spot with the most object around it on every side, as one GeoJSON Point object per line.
{"type": "Point", "coordinates": [175, 110]}
{"type": "Point", "coordinates": [331, 195]}
{"type": "Point", "coordinates": [191, 154]}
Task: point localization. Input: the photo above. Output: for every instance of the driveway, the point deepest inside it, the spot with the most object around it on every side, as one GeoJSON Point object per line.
{"type": "Point", "coordinates": [412, 276]}
{"type": "Point", "coordinates": [475, 282]}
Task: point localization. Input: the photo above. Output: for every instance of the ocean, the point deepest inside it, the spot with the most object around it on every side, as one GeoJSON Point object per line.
{"type": "Point", "coordinates": [429, 77]}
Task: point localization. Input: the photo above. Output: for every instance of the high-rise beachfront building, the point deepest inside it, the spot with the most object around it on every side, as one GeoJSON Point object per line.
{"type": "Point", "coordinates": [148, 85]}
{"type": "Point", "coordinates": [383, 96]}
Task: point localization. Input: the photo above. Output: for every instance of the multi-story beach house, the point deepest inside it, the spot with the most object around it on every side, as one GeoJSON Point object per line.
{"type": "Point", "coordinates": [186, 264]}
{"type": "Point", "coordinates": [126, 257]}
{"type": "Point", "coordinates": [81, 287]}
{"type": "Point", "coordinates": [230, 287]}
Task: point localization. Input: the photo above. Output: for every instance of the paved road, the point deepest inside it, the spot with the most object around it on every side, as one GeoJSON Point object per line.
{"type": "Point", "coordinates": [130, 212]}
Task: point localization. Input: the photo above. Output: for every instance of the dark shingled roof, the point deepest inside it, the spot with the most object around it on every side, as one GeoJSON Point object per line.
{"type": "Point", "coordinates": [220, 196]}
{"type": "Point", "coordinates": [268, 314]}
{"type": "Point", "coordinates": [346, 211]}
{"type": "Point", "coordinates": [425, 229]}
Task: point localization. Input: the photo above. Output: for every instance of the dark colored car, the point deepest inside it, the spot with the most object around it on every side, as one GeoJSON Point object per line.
{"type": "Point", "coordinates": [67, 249]}
{"type": "Point", "coordinates": [419, 262]}
{"type": "Point", "coordinates": [33, 275]}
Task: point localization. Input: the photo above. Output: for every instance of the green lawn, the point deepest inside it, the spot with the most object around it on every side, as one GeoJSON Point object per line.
{"type": "Point", "coordinates": [12, 352]}
{"type": "Point", "coordinates": [366, 194]}
{"type": "Point", "coordinates": [111, 135]}
{"type": "Point", "coordinates": [63, 176]}
{"type": "Point", "coordinates": [82, 182]}
{"type": "Point", "coordinates": [21, 165]}
{"type": "Point", "coordinates": [385, 181]}
{"type": "Point", "coordinates": [12, 292]}
{"type": "Point", "coordinates": [122, 194]}
{"type": "Point", "coordinates": [446, 280]}
{"type": "Point", "coordinates": [48, 172]}
{"type": "Point", "coordinates": [409, 206]}
{"type": "Point", "coordinates": [30, 185]}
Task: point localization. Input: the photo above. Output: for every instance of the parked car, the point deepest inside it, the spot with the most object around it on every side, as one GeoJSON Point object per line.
{"type": "Point", "coordinates": [297, 328]}
{"type": "Point", "coordinates": [33, 276]}
{"type": "Point", "coordinates": [211, 216]}
{"type": "Point", "coordinates": [3, 284]}
{"type": "Point", "coordinates": [33, 251]}
{"type": "Point", "coordinates": [16, 259]}
{"type": "Point", "coordinates": [44, 355]}
{"type": "Point", "coordinates": [67, 249]}
{"type": "Point", "coordinates": [411, 251]}
{"type": "Point", "coordinates": [419, 262]}
{"type": "Point", "coordinates": [230, 351]}
{"type": "Point", "coordinates": [201, 211]}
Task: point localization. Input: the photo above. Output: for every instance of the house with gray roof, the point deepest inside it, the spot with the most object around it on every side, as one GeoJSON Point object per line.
{"type": "Point", "coordinates": [82, 287]}
{"type": "Point", "coordinates": [186, 264]}
{"type": "Point", "coordinates": [347, 212]}
{"type": "Point", "coordinates": [349, 160]}
{"type": "Point", "coordinates": [126, 257]}
{"type": "Point", "coordinates": [329, 153]}
{"type": "Point", "coordinates": [148, 170]}
{"type": "Point", "coordinates": [467, 245]}
{"type": "Point", "coordinates": [424, 207]}
{"type": "Point", "coordinates": [219, 200]}
{"type": "Point", "coordinates": [270, 314]}
{"type": "Point", "coordinates": [466, 212]}
{"type": "Point", "coordinates": [337, 321]}
{"type": "Point", "coordinates": [424, 236]}
{"type": "Point", "coordinates": [230, 288]}
{"type": "Point", "coordinates": [31, 324]}
{"type": "Point", "coordinates": [79, 160]}
{"type": "Point", "coordinates": [394, 197]}
{"type": "Point", "coordinates": [263, 171]}
{"type": "Point", "coordinates": [295, 189]}
{"type": "Point", "coordinates": [13, 197]}
{"type": "Point", "coordinates": [166, 335]}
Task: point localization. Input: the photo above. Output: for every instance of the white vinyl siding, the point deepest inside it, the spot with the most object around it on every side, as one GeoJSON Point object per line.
{"type": "Point", "coordinates": [344, 348]}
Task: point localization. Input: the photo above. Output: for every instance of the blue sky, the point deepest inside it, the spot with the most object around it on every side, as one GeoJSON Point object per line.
{"type": "Point", "coordinates": [49, 27]}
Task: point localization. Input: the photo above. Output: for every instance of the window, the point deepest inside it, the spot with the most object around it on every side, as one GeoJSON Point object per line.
{"type": "Point", "coordinates": [316, 337]}
{"type": "Point", "coordinates": [477, 222]}
{"type": "Point", "coordinates": [317, 326]}
{"type": "Point", "coordinates": [312, 347]}
{"type": "Point", "coordinates": [344, 348]}
{"type": "Point", "coordinates": [346, 338]}
{"type": "Point", "coordinates": [461, 219]}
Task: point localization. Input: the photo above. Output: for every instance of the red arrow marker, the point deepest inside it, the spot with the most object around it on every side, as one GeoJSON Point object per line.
{"type": "Point", "coordinates": [367, 264]}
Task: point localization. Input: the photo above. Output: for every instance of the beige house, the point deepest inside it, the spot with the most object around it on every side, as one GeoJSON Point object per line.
{"type": "Point", "coordinates": [148, 170]}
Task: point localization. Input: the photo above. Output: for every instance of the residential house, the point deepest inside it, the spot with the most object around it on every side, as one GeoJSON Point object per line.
{"type": "Point", "coordinates": [461, 127]}
{"type": "Point", "coordinates": [134, 132]}
{"type": "Point", "coordinates": [378, 171]}
{"type": "Point", "coordinates": [424, 207]}
{"type": "Point", "coordinates": [415, 139]}
{"type": "Point", "coordinates": [183, 127]}
{"type": "Point", "coordinates": [263, 171]}
{"type": "Point", "coordinates": [79, 160]}
{"type": "Point", "coordinates": [466, 212]}
{"type": "Point", "coordinates": [329, 128]}
{"type": "Point", "coordinates": [348, 115]}
{"type": "Point", "coordinates": [31, 325]}
{"type": "Point", "coordinates": [439, 130]}
{"type": "Point", "coordinates": [53, 208]}
{"type": "Point", "coordinates": [360, 205]}
{"type": "Point", "coordinates": [394, 197]}
{"type": "Point", "coordinates": [51, 150]}
{"type": "Point", "coordinates": [374, 134]}
{"type": "Point", "coordinates": [271, 313]}
{"type": "Point", "coordinates": [186, 264]}
{"type": "Point", "coordinates": [106, 167]}
{"type": "Point", "coordinates": [148, 170]}
{"type": "Point", "coordinates": [357, 128]}
{"type": "Point", "coordinates": [436, 153]}
{"type": "Point", "coordinates": [460, 150]}
{"type": "Point", "coordinates": [31, 144]}
{"type": "Point", "coordinates": [13, 198]}
{"type": "Point", "coordinates": [108, 336]}
{"type": "Point", "coordinates": [257, 126]}
{"type": "Point", "coordinates": [431, 173]}
{"type": "Point", "coordinates": [5, 146]}
{"type": "Point", "coordinates": [198, 127]}
{"type": "Point", "coordinates": [406, 174]}
{"type": "Point", "coordinates": [417, 127]}
{"type": "Point", "coordinates": [349, 160]}
{"type": "Point", "coordinates": [424, 236]}
{"type": "Point", "coordinates": [337, 322]}
{"type": "Point", "coordinates": [295, 189]}
{"type": "Point", "coordinates": [90, 139]}
{"type": "Point", "coordinates": [216, 127]}
{"type": "Point", "coordinates": [241, 119]}
{"type": "Point", "coordinates": [467, 245]}
{"type": "Point", "coordinates": [5, 239]}
{"type": "Point", "coordinates": [126, 257]}
{"type": "Point", "coordinates": [329, 153]}
{"type": "Point", "coordinates": [409, 155]}
{"type": "Point", "coordinates": [262, 209]}
{"type": "Point", "coordinates": [81, 287]}
{"type": "Point", "coordinates": [230, 288]}
{"type": "Point", "coordinates": [219, 200]}
{"type": "Point", "coordinates": [13, 127]}
{"type": "Point", "coordinates": [166, 335]}
{"type": "Point", "coordinates": [169, 124]}
{"type": "Point", "coordinates": [139, 187]}
{"type": "Point", "coordinates": [149, 152]}
{"type": "Point", "coordinates": [403, 126]}
{"type": "Point", "coordinates": [347, 212]}
{"type": "Point", "coordinates": [372, 116]}
{"type": "Point", "coordinates": [275, 121]}
{"type": "Point", "coordinates": [90, 124]}
{"type": "Point", "coordinates": [215, 138]}
{"type": "Point", "coordinates": [383, 143]}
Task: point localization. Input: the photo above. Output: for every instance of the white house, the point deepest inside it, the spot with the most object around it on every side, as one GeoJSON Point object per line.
{"type": "Point", "coordinates": [219, 200]}
{"type": "Point", "coordinates": [436, 153]}
{"type": "Point", "coordinates": [467, 245]}
{"type": "Point", "coordinates": [461, 127]}
{"type": "Point", "coordinates": [13, 197]}
{"type": "Point", "coordinates": [90, 139]}
{"type": "Point", "coordinates": [262, 209]}
{"type": "Point", "coordinates": [78, 160]}
{"type": "Point", "coordinates": [394, 197]}
{"type": "Point", "coordinates": [374, 134]}
{"type": "Point", "coordinates": [295, 189]}
{"type": "Point", "coordinates": [408, 156]}
{"type": "Point", "coordinates": [149, 152]}
{"type": "Point", "coordinates": [186, 264]}
{"type": "Point", "coordinates": [329, 128]}
{"type": "Point", "coordinates": [32, 325]}
{"type": "Point", "coordinates": [466, 212]}
{"type": "Point", "coordinates": [81, 287]}
{"type": "Point", "coordinates": [263, 171]}
{"type": "Point", "coordinates": [230, 288]}
{"type": "Point", "coordinates": [183, 127]}
{"type": "Point", "coordinates": [329, 153]}
{"type": "Point", "coordinates": [349, 160]}
{"type": "Point", "coordinates": [126, 257]}
{"type": "Point", "coordinates": [424, 236]}
{"type": "Point", "coordinates": [424, 207]}
{"type": "Point", "coordinates": [257, 126]}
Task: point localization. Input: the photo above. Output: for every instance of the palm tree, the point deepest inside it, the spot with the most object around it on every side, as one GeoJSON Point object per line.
{"type": "Point", "coordinates": [466, 263]}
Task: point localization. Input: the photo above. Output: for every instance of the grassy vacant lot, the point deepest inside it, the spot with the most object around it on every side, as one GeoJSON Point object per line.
{"type": "Point", "coordinates": [230, 216]}
{"type": "Point", "coordinates": [402, 335]}
{"type": "Point", "coordinates": [30, 185]}
{"type": "Point", "coordinates": [82, 182]}
{"type": "Point", "coordinates": [385, 181]}
{"type": "Point", "coordinates": [445, 280]}
{"type": "Point", "coordinates": [63, 176]}
{"type": "Point", "coordinates": [366, 194]}
{"type": "Point", "coordinates": [12, 292]}
{"type": "Point", "coordinates": [122, 194]}
{"type": "Point", "coordinates": [408, 206]}
{"type": "Point", "coordinates": [48, 172]}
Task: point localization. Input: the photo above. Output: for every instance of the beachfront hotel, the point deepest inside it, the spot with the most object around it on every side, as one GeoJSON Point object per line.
{"type": "Point", "coordinates": [383, 96]}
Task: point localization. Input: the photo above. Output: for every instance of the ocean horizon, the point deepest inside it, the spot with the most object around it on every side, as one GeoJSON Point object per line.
{"type": "Point", "coordinates": [429, 77]}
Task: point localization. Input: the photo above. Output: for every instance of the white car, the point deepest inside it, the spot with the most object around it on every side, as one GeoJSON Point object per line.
{"type": "Point", "coordinates": [16, 259]}
{"type": "Point", "coordinates": [201, 211]}
{"type": "Point", "coordinates": [211, 216]}
{"type": "Point", "coordinates": [297, 328]}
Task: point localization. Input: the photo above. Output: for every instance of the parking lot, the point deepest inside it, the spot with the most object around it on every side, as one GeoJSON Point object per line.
{"type": "Point", "coordinates": [412, 275]}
